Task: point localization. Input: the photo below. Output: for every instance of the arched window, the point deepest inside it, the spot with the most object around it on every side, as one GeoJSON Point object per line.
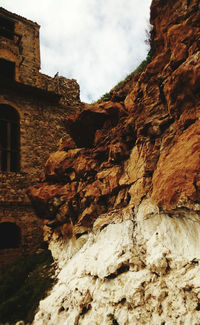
{"type": "Point", "coordinates": [10, 235]}
{"type": "Point", "coordinates": [9, 139]}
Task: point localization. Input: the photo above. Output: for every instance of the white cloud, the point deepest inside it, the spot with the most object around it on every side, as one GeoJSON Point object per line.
{"type": "Point", "coordinates": [97, 42]}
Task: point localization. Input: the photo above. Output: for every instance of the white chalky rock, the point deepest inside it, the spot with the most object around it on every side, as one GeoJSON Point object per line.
{"type": "Point", "coordinates": [140, 270]}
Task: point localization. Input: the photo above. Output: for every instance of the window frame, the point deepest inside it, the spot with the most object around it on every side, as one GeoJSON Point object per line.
{"type": "Point", "coordinates": [7, 27]}
{"type": "Point", "coordinates": [9, 140]}
{"type": "Point", "coordinates": [8, 69]}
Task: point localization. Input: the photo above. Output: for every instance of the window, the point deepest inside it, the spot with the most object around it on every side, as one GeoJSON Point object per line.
{"type": "Point", "coordinates": [10, 235]}
{"type": "Point", "coordinates": [7, 27]}
{"type": "Point", "coordinates": [7, 69]}
{"type": "Point", "coordinates": [9, 139]}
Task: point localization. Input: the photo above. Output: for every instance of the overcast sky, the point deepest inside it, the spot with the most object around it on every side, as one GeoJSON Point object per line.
{"type": "Point", "coordinates": [96, 42]}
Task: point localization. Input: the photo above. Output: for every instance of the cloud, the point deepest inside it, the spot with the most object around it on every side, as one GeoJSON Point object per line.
{"type": "Point", "coordinates": [97, 42]}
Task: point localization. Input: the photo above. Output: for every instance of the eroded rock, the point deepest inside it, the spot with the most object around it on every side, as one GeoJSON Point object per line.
{"type": "Point", "coordinates": [120, 198]}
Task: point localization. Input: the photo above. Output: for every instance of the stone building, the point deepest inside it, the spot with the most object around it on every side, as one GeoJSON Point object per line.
{"type": "Point", "coordinates": [32, 108]}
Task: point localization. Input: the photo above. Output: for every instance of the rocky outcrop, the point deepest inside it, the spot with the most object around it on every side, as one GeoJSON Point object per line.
{"type": "Point", "coordinates": [133, 268]}
{"type": "Point", "coordinates": [146, 145]}
{"type": "Point", "coordinates": [121, 197]}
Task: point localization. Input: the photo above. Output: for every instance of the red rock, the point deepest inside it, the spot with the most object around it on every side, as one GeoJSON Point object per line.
{"type": "Point", "coordinates": [66, 144]}
{"type": "Point", "coordinates": [182, 88]}
{"type": "Point", "coordinates": [82, 127]}
{"type": "Point", "coordinates": [177, 176]}
{"type": "Point", "coordinates": [145, 141]}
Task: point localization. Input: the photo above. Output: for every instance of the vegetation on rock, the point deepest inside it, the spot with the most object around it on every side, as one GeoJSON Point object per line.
{"type": "Point", "coordinates": [23, 284]}
{"type": "Point", "coordinates": [141, 67]}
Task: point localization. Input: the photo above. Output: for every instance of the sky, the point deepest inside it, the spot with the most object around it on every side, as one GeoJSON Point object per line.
{"type": "Point", "coordinates": [96, 42]}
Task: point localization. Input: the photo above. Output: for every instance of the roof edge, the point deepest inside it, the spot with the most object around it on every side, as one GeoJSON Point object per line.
{"type": "Point", "coordinates": [15, 17]}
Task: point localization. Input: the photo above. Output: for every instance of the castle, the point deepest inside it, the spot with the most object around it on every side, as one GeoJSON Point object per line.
{"type": "Point", "coordinates": [32, 109]}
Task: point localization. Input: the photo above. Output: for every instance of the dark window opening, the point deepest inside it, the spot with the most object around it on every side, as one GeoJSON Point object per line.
{"type": "Point", "coordinates": [9, 139]}
{"type": "Point", "coordinates": [7, 69]}
{"type": "Point", "coordinates": [10, 235]}
{"type": "Point", "coordinates": [7, 27]}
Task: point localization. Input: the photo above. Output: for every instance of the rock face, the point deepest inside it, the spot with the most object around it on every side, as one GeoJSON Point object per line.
{"type": "Point", "coordinates": [120, 198]}
{"type": "Point", "coordinates": [132, 268]}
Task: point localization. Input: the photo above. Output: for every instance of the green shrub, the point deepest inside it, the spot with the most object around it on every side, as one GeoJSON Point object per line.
{"type": "Point", "coordinates": [23, 285]}
{"type": "Point", "coordinates": [104, 97]}
{"type": "Point", "coordinates": [142, 66]}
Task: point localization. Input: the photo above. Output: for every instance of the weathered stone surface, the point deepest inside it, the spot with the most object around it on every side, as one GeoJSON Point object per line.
{"type": "Point", "coordinates": [182, 88]}
{"type": "Point", "coordinates": [40, 102]}
{"type": "Point", "coordinates": [176, 179]}
{"type": "Point", "coordinates": [120, 146]}
{"type": "Point", "coordinates": [141, 269]}
{"type": "Point", "coordinates": [126, 235]}
{"type": "Point", "coordinates": [83, 126]}
{"type": "Point", "coordinates": [92, 174]}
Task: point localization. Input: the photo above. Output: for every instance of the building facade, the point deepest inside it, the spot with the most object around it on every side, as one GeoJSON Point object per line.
{"type": "Point", "coordinates": [32, 109]}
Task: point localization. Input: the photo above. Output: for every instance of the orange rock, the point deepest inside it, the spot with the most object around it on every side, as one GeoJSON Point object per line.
{"type": "Point", "coordinates": [55, 162]}
{"type": "Point", "coordinates": [183, 86]}
{"type": "Point", "coordinates": [149, 127]}
{"type": "Point", "coordinates": [176, 178]}
{"type": "Point", "coordinates": [67, 230]}
{"type": "Point", "coordinates": [139, 189]}
{"type": "Point", "coordinates": [66, 144]}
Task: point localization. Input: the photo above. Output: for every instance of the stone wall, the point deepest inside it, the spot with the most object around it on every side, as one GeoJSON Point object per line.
{"type": "Point", "coordinates": [41, 103]}
{"type": "Point", "coordinates": [22, 215]}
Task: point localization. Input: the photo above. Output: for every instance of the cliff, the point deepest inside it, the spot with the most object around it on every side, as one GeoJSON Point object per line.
{"type": "Point", "coordinates": [120, 199]}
